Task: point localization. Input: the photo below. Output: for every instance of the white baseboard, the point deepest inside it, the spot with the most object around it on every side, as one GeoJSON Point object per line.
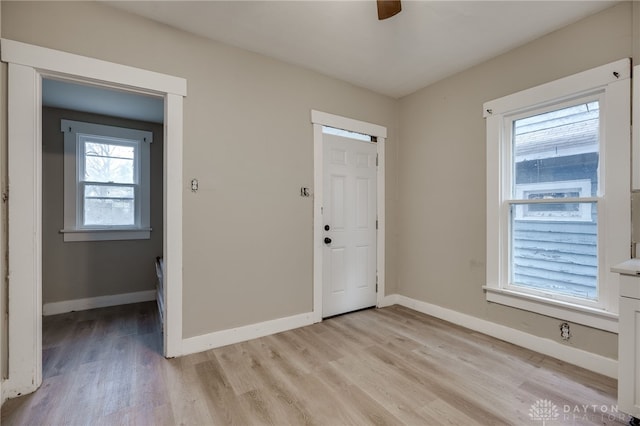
{"type": "Point", "coordinates": [97, 302]}
{"type": "Point", "coordinates": [388, 300]}
{"type": "Point", "coordinates": [240, 334]}
{"type": "Point", "coordinates": [11, 389]}
{"type": "Point", "coordinates": [590, 361]}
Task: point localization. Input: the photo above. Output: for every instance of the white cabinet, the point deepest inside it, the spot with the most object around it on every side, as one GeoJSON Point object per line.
{"type": "Point", "coordinates": [629, 353]}
{"type": "Point", "coordinates": [629, 339]}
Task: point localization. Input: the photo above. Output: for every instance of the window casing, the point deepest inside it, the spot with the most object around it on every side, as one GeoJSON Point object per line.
{"type": "Point", "coordinates": [106, 182]}
{"type": "Point", "coordinates": [558, 213]}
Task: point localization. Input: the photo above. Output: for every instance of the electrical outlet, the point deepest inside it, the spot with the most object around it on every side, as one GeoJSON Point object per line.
{"type": "Point", "coordinates": [565, 331]}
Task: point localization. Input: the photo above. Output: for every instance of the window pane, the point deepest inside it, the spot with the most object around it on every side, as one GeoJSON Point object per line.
{"type": "Point", "coordinates": [109, 205]}
{"type": "Point", "coordinates": [556, 154]}
{"type": "Point", "coordinates": [108, 163]}
{"type": "Point", "coordinates": [347, 134]}
{"type": "Point", "coordinates": [554, 254]}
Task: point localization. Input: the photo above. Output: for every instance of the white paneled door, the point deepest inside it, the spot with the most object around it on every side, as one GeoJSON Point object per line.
{"type": "Point", "coordinates": [349, 229]}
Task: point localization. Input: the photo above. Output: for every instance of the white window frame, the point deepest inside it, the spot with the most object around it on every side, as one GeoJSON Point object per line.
{"type": "Point", "coordinates": [75, 134]}
{"type": "Point", "coordinates": [611, 83]}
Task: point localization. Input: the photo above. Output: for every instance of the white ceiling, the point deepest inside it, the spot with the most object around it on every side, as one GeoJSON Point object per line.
{"type": "Point", "coordinates": [426, 42]}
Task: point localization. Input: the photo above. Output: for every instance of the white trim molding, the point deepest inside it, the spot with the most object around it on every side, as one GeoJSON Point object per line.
{"type": "Point", "coordinates": [349, 124]}
{"type": "Point", "coordinates": [319, 119]}
{"type": "Point", "coordinates": [69, 64]}
{"type": "Point", "coordinates": [241, 334]}
{"type": "Point", "coordinates": [563, 88]}
{"type": "Point", "coordinates": [390, 300]}
{"type": "Point", "coordinates": [27, 66]}
{"type": "Point", "coordinates": [172, 241]}
{"type": "Point", "coordinates": [25, 224]}
{"type": "Point", "coordinates": [566, 311]}
{"type": "Point", "coordinates": [84, 304]}
{"type": "Point", "coordinates": [635, 124]}
{"type": "Point", "coordinates": [590, 361]}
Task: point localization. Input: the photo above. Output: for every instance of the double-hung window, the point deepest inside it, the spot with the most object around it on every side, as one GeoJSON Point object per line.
{"type": "Point", "coordinates": [106, 182]}
{"type": "Point", "coordinates": [558, 209]}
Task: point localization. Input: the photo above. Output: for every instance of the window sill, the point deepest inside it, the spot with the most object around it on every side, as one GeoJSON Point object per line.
{"type": "Point", "coordinates": [565, 311]}
{"type": "Point", "coordinates": [72, 235]}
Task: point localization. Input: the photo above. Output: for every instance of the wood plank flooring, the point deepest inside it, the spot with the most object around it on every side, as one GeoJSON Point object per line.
{"type": "Point", "coordinates": [388, 366]}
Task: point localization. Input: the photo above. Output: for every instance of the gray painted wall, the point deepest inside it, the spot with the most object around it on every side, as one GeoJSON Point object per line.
{"type": "Point", "coordinates": [75, 270]}
{"type": "Point", "coordinates": [248, 139]}
{"type": "Point", "coordinates": [442, 178]}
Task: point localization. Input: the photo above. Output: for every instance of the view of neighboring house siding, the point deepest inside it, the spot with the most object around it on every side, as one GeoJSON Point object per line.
{"type": "Point", "coordinates": [555, 245]}
{"type": "Point", "coordinates": [545, 260]}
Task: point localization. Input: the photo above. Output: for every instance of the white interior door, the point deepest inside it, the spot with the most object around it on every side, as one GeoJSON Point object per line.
{"type": "Point", "coordinates": [349, 229]}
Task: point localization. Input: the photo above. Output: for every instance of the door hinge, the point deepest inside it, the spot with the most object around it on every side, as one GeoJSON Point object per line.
{"type": "Point", "coordinates": [376, 223]}
{"type": "Point", "coordinates": [376, 160]}
{"type": "Point", "coordinates": [376, 283]}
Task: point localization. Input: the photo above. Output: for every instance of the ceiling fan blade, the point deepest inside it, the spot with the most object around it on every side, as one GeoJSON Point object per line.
{"type": "Point", "coordinates": [388, 8]}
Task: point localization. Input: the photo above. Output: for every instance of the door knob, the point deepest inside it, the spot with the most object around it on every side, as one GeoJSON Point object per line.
{"type": "Point", "coordinates": [327, 227]}
{"type": "Point", "coordinates": [327, 240]}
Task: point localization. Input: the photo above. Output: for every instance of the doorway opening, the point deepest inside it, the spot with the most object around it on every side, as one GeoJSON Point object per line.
{"type": "Point", "coordinates": [101, 218]}
{"type": "Point", "coordinates": [28, 66]}
{"type": "Point", "coordinates": [349, 214]}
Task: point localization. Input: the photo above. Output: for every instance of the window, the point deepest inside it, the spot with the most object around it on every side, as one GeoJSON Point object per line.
{"type": "Point", "coordinates": [106, 182]}
{"type": "Point", "coordinates": [558, 213]}
{"type": "Point", "coordinates": [348, 134]}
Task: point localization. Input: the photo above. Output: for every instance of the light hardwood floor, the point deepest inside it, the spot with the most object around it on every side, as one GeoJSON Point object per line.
{"type": "Point", "coordinates": [386, 366]}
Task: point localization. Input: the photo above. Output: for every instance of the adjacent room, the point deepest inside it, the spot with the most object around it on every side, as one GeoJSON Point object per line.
{"type": "Point", "coordinates": [109, 177]}
{"type": "Point", "coordinates": [319, 212]}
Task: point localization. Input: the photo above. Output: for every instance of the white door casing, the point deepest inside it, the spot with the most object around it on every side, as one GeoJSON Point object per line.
{"type": "Point", "coordinates": [349, 213]}
{"type": "Point", "coordinates": [320, 119]}
{"type": "Point", "coordinates": [27, 66]}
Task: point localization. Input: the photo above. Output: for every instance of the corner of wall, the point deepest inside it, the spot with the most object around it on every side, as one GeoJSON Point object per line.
{"type": "Point", "coordinates": [4, 348]}
{"type": "Point", "coordinates": [2, 287]}
{"type": "Point", "coordinates": [581, 358]}
{"type": "Point", "coordinates": [3, 331]}
{"type": "Point", "coordinates": [635, 25]}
